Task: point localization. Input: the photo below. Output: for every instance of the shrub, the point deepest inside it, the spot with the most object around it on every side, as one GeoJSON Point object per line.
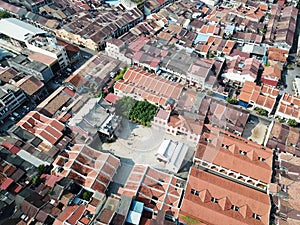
{"type": "Point", "coordinates": [121, 74]}
{"type": "Point", "coordinates": [292, 123]}
{"type": "Point", "coordinates": [138, 111]}
{"type": "Point", "coordinates": [35, 180]}
{"type": "Point", "coordinates": [231, 100]}
{"type": "Point", "coordinates": [4, 14]}
{"type": "Point", "coordinates": [261, 111]}
{"type": "Point", "coordinates": [87, 195]}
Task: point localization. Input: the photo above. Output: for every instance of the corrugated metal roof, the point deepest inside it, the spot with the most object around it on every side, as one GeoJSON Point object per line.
{"type": "Point", "coordinates": [18, 29]}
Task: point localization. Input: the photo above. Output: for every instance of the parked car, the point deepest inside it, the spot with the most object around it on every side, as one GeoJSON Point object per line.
{"type": "Point", "coordinates": [11, 118]}
{"type": "Point", "coordinates": [26, 107]}
{"type": "Point", "coordinates": [15, 114]}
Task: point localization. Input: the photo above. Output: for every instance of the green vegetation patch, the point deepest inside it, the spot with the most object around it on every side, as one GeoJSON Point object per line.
{"type": "Point", "coordinates": [189, 220]}
{"type": "Point", "coordinates": [292, 123]}
{"type": "Point", "coordinates": [261, 111]}
{"type": "Point", "coordinates": [231, 100]}
{"type": "Point", "coordinates": [87, 195]}
{"type": "Point", "coordinates": [37, 179]}
{"type": "Point", "coordinates": [4, 14]}
{"type": "Point", "coordinates": [141, 112]}
{"type": "Point", "coordinates": [121, 74]}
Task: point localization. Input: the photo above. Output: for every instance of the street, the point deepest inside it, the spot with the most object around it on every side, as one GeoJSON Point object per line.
{"type": "Point", "coordinates": [289, 76]}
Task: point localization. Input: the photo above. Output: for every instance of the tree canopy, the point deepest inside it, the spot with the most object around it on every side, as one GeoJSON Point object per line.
{"type": "Point", "coordinates": [292, 123]}
{"type": "Point", "coordinates": [121, 74]}
{"type": "Point", "coordinates": [231, 100]}
{"type": "Point", "coordinates": [4, 14]}
{"type": "Point", "coordinates": [139, 111]}
{"type": "Point", "coordinates": [124, 106]}
{"type": "Point", "coordinates": [143, 112]}
{"type": "Point", "coordinates": [261, 111]}
{"type": "Point", "coordinates": [87, 195]}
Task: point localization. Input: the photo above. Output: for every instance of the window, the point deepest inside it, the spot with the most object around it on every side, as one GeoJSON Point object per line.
{"type": "Point", "coordinates": [256, 216]}
{"type": "Point", "coordinates": [235, 208]}
{"type": "Point", "coordinates": [261, 159]}
{"type": "Point", "coordinates": [194, 192]}
{"type": "Point", "coordinates": [208, 140]}
{"type": "Point", "coordinates": [154, 200]}
{"type": "Point", "coordinates": [243, 152]}
{"type": "Point", "coordinates": [161, 179]}
{"type": "Point", "coordinates": [214, 200]}
{"type": "Point", "coordinates": [224, 146]}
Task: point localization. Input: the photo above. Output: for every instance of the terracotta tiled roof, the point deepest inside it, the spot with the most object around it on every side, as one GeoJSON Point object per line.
{"type": "Point", "coordinates": [277, 54]}
{"type": "Point", "coordinates": [12, 148]}
{"type": "Point", "coordinates": [6, 74]}
{"type": "Point", "coordinates": [224, 150]}
{"type": "Point", "coordinates": [45, 59]}
{"type": "Point", "coordinates": [77, 80]}
{"type": "Point", "coordinates": [284, 138]}
{"type": "Point", "coordinates": [6, 183]}
{"type": "Point", "coordinates": [250, 93]}
{"type": "Point", "coordinates": [289, 105]}
{"type": "Point", "coordinates": [50, 179]}
{"type": "Point", "coordinates": [232, 118]}
{"type": "Point", "coordinates": [88, 167]}
{"type": "Point", "coordinates": [46, 128]}
{"type": "Point", "coordinates": [30, 85]}
{"type": "Point", "coordinates": [209, 198]}
{"type": "Point", "coordinates": [270, 90]}
{"type": "Point", "coordinates": [149, 86]}
{"type": "Point", "coordinates": [65, 214]}
{"type": "Point", "coordinates": [149, 184]}
{"type": "Point", "coordinates": [57, 102]}
{"type": "Point", "coordinates": [189, 124]}
{"type": "Point", "coordinates": [111, 98]}
{"type": "Point", "coordinates": [76, 215]}
{"type": "Point", "coordinates": [271, 71]}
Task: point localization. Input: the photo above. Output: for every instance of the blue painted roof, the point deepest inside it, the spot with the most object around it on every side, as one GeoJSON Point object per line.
{"type": "Point", "coordinates": [265, 59]}
{"type": "Point", "coordinates": [201, 38]}
{"type": "Point", "coordinates": [137, 206]}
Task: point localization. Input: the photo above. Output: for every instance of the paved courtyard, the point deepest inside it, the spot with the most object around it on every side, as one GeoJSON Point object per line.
{"type": "Point", "coordinates": [258, 133]}
{"type": "Point", "coordinates": [256, 129]}
{"type": "Point", "coordinates": [140, 143]}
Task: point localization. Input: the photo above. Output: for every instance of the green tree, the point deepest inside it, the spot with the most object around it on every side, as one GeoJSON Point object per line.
{"type": "Point", "coordinates": [139, 111]}
{"type": "Point", "coordinates": [210, 55]}
{"type": "Point", "coordinates": [4, 14]}
{"type": "Point", "coordinates": [87, 195]}
{"type": "Point", "coordinates": [292, 123]}
{"type": "Point", "coordinates": [261, 111]}
{"type": "Point", "coordinates": [143, 112]}
{"type": "Point", "coordinates": [35, 180]}
{"type": "Point", "coordinates": [124, 106]}
{"type": "Point", "coordinates": [41, 169]}
{"type": "Point", "coordinates": [232, 101]}
{"type": "Point", "coordinates": [121, 74]}
{"type": "Point", "coordinates": [190, 220]}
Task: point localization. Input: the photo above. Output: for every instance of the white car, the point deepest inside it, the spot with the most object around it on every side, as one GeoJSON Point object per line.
{"type": "Point", "coordinates": [15, 114]}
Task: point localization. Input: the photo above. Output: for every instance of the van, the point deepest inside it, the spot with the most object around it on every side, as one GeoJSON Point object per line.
{"type": "Point", "coordinates": [15, 114]}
